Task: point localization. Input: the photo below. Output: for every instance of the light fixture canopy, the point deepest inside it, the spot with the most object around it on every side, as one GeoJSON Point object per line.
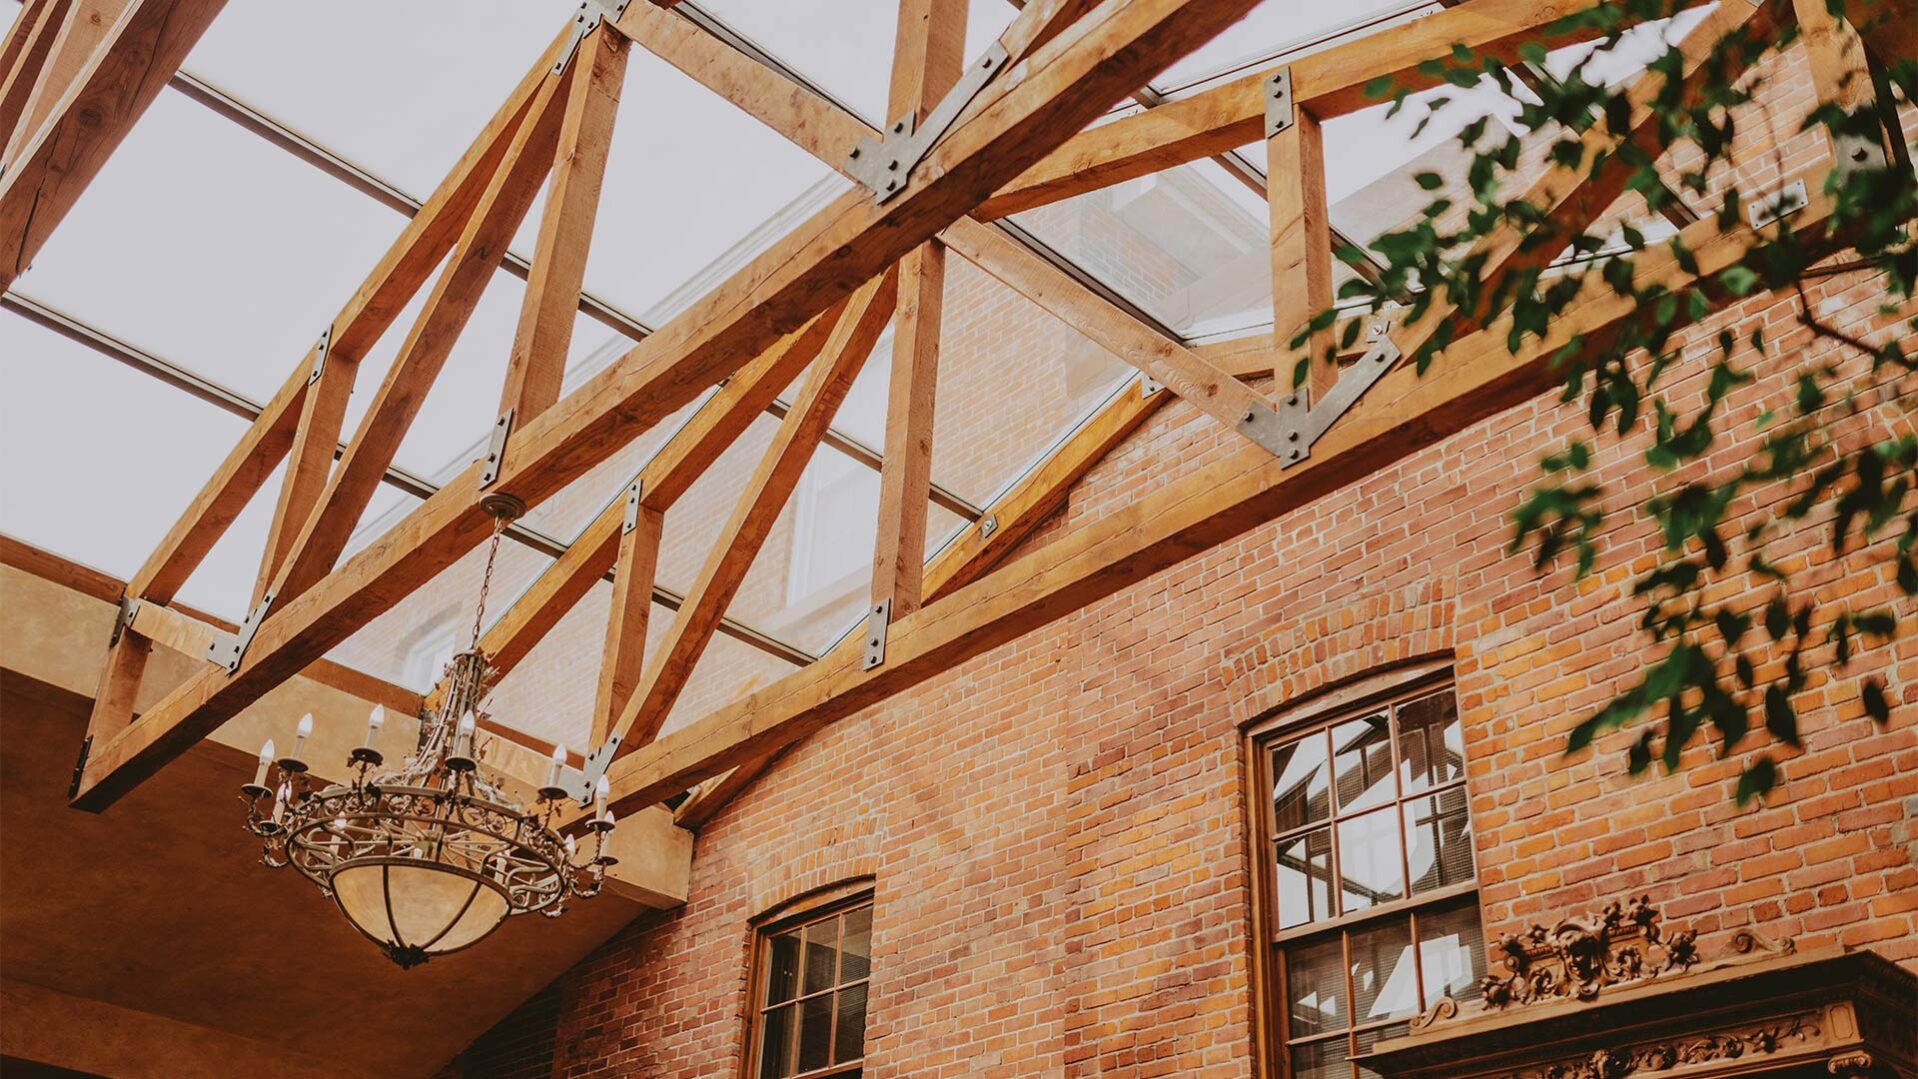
{"type": "Point", "coordinates": [431, 856]}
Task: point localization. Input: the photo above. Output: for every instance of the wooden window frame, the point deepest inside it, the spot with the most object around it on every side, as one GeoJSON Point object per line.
{"type": "Point", "coordinates": [1319, 711]}
{"type": "Point", "coordinates": [797, 913]}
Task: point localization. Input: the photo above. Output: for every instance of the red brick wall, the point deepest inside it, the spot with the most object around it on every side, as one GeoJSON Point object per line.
{"type": "Point", "coordinates": [1056, 829]}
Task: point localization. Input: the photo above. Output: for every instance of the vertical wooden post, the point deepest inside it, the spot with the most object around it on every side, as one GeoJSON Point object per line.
{"type": "Point", "coordinates": [538, 362]}
{"type": "Point", "coordinates": [1301, 249]}
{"type": "Point", "coordinates": [927, 57]}
{"type": "Point", "coordinates": [624, 655]}
{"type": "Point", "coordinates": [311, 460]}
{"type": "Point", "coordinates": [1838, 69]}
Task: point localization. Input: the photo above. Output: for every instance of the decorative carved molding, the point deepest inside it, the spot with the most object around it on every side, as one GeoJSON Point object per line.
{"type": "Point", "coordinates": [1580, 956]}
{"type": "Point", "coordinates": [1660, 1056]}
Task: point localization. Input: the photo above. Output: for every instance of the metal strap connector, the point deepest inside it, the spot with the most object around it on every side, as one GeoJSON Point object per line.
{"type": "Point", "coordinates": [587, 19]}
{"type": "Point", "coordinates": [496, 449]}
{"type": "Point", "coordinates": [320, 349]}
{"type": "Point", "coordinates": [1280, 112]}
{"type": "Point", "coordinates": [634, 492]}
{"type": "Point", "coordinates": [228, 649]}
{"type": "Point", "coordinates": [877, 622]}
{"type": "Point", "coordinates": [885, 164]}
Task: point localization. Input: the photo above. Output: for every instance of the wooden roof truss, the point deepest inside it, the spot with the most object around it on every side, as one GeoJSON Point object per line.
{"type": "Point", "coordinates": [812, 304]}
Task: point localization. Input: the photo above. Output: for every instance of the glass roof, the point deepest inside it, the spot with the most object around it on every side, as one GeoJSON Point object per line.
{"type": "Point", "coordinates": [216, 250]}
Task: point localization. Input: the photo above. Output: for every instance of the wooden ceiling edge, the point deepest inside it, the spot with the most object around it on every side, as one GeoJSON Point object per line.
{"type": "Point", "coordinates": [98, 584]}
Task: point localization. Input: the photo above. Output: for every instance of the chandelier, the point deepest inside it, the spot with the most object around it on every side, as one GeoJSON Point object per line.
{"type": "Point", "coordinates": [430, 856]}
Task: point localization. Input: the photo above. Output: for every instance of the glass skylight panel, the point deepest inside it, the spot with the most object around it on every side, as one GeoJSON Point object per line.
{"type": "Point", "coordinates": [811, 579]}
{"type": "Point", "coordinates": [399, 89]}
{"type": "Point", "coordinates": [101, 458]}
{"type": "Point", "coordinates": [1190, 246]}
{"type": "Point", "coordinates": [845, 46]}
{"type": "Point", "coordinates": [694, 188]}
{"type": "Point", "coordinates": [1012, 379]}
{"type": "Point", "coordinates": [1282, 26]}
{"type": "Point", "coordinates": [207, 245]}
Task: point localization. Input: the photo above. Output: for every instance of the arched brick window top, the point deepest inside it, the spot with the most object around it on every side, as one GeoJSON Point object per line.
{"type": "Point", "coordinates": [812, 958]}
{"type": "Point", "coordinates": [1368, 884]}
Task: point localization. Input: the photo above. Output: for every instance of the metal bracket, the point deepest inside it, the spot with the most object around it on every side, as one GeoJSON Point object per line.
{"type": "Point", "coordinates": [1280, 112]}
{"type": "Point", "coordinates": [320, 349]}
{"type": "Point", "coordinates": [579, 783]}
{"type": "Point", "coordinates": [587, 19]}
{"type": "Point", "coordinates": [1149, 386]}
{"type": "Point", "coordinates": [80, 768]}
{"type": "Point", "coordinates": [633, 495]}
{"type": "Point", "coordinates": [1302, 421]}
{"type": "Point", "coordinates": [988, 525]}
{"type": "Point", "coordinates": [877, 622]}
{"type": "Point", "coordinates": [1856, 153]}
{"type": "Point", "coordinates": [128, 608]}
{"type": "Point", "coordinates": [227, 649]}
{"type": "Point", "coordinates": [1787, 201]}
{"type": "Point", "coordinates": [496, 449]}
{"type": "Point", "coordinates": [1262, 424]}
{"type": "Point", "coordinates": [884, 165]}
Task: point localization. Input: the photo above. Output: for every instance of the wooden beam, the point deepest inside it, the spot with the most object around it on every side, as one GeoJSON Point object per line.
{"type": "Point", "coordinates": [811, 122]}
{"type": "Point", "coordinates": [1301, 250]}
{"type": "Point", "coordinates": [927, 58]}
{"type": "Point", "coordinates": [469, 269]}
{"type": "Point", "coordinates": [538, 360]}
{"type": "Point", "coordinates": [623, 657]}
{"type": "Point", "coordinates": [86, 24]}
{"type": "Point", "coordinates": [1184, 372]}
{"type": "Point", "coordinates": [1013, 122]}
{"type": "Point", "coordinates": [1477, 378]}
{"type": "Point", "coordinates": [766, 493]}
{"type": "Point", "coordinates": [308, 464]}
{"type": "Point", "coordinates": [691, 450]}
{"type": "Point", "coordinates": [367, 314]}
{"type": "Point", "coordinates": [113, 699]}
{"type": "Point", "coordinates": [111, 91]}
{"type": "Point", "coordinates": [171, 629]}
{"type": "Point", "coordinates": [23, 66]}
{"type": "Point", "coordinates": [246, 466]}
{"type": "Point", "coordinates": [1330, 82]}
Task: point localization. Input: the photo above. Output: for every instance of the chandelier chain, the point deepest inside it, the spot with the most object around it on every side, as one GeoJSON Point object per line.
{"type": "Point", "coordinates": [486, 580]}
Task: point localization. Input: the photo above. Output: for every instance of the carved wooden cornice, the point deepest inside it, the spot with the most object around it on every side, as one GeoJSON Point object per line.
{"type": "Point", "coordinates": [1621, 995]}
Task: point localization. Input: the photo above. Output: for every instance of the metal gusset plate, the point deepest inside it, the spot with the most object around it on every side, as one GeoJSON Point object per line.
{"type": "Point", "coordinates": [884, 165]}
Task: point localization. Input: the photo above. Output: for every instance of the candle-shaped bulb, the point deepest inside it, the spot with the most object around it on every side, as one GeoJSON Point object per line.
{"type": "Point", "coordinates": [463, 737]}
{"type": "Point", "coordinates": [301, 733]}
{"type": "Point", "coordinates": [559, 762]}
{"type": "Point", "coordinates": [601, 791]}
{"type": "Point", "coordinates": [571, 847]}
{"type": "Point", "coordinates": [266, 758]}
{"type": "Point", "coordinates": [608, 818]}
{"type": "Point", "coordinates": [374, 722]}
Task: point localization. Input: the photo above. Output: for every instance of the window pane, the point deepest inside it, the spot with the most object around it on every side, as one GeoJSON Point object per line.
{"type": "Point", "coordinates": [1366, 1039]}
{"type": "Point", "coordinates": [1438, 837]}
{"type": "Point", "coordinates": [1305, 878]}
{"type": "Point", "coordinates": [1384, 979]}
{"type": "Point", "coordinates": [1369, 869]}
{"type": "Point", "coordinates": [1362, 757]}
{"type": "Point", "coordinates": [850, 1042]}
{"type": "Point", "coordinates": [1431, 749]}
{"type": "Point", "coordinates": [1315, 987]}
{"type": "Point", "coordinates": [820, 952]}
{"type": "Point", "coordinates": [1451, 953]}
{"type": "Point", "coordinates": [783, 969]}
{"type": "Point", "coordinates": [775, 1046]}
{"type": "Point", "coordinates": [855, 952]}
{"type": "Point", "coordinates": [1299, 789]}
{"type": "Point", "coordinates": [815, 1032]}
{"type": "Point", "coordinates": [1321, 1060]}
